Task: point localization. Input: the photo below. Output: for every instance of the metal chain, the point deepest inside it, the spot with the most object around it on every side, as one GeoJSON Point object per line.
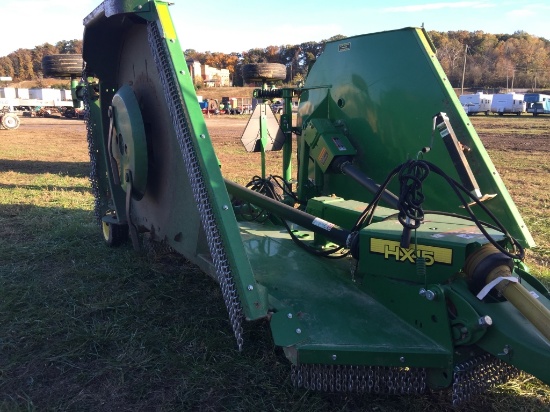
{"type": "Point", "coordinates": [470, 378]}
{"type": "Point", "coordinates": [478, 375]}
{"type": "Point", "coordinates": [92, 149]}
{"type": "Point", "coordinates": [360, 379]}
{"type": "Point", "coordinates": [200, 193]}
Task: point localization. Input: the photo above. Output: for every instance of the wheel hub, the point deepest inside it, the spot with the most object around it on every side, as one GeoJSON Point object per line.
{"type": "Point", "coordinates": [129, 143]}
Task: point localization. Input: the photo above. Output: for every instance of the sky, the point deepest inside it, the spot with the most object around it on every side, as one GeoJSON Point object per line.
{"type": "Point", "coordinates": [240, 26]}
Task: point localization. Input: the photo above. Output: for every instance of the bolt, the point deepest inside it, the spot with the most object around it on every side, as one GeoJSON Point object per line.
{"type": "Point", "coordinates": [225, 207]}
{"type": "Point", "coordinates": [333, 357]}
{"type": "Point", "coordinates": [289, 316]}
{"type": "Point", "coordinates": [485, 321]}
{"type": "Point", "coordinates": [430, 295]}
{"type": "Point", "coordinates": [140, 7]}
{"type": "Point", "coordinates": [298, 330]}
{"type": "Point", "coordinates": [402, 359]}
{"type": "Point", "coordinates": [250, 287]}
{"type": "Point", "coordinates": [202, 136]}
{"type": "Point", "coordinates": [182, 71]}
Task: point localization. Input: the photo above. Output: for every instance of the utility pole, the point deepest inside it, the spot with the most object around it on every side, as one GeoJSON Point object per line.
{"type": "Point", "coordinates": [464, 69]}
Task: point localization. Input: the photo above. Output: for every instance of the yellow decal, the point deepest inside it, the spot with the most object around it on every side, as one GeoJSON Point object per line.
{"type": "Point", "coordinates": [392, 250]}
{"type": "Point", "coordinates": [166, 21]}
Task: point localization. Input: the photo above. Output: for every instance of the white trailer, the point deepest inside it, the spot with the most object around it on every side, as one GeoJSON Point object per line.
{"type": "Point", "coordinates": [7, 93]}
{"type": "Point", "coordinates": [476, 103]}
{"type": "Point", "coordinates": [513, 103]}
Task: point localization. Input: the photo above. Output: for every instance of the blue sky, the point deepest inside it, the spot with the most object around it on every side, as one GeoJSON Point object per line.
{"type": "Point", "coordinates": [239, 26]}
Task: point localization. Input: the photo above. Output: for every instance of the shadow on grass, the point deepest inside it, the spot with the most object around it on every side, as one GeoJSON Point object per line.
{"type": "Point", "coordinates": [73, 169]}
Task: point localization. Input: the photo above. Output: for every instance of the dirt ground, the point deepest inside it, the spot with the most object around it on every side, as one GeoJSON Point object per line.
{"type": "Point", "coordinates": [526, 134]}
{"type": "Point", "coordinates": [227, 129]}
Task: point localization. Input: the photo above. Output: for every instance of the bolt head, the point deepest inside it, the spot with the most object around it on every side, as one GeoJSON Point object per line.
{"type": "Point", "coordinates": [289, 316]}
{"type": "Point", "coordinates": [298, 330]}
{"type": "Point", "coordinates": [485, 321]}
{"type": "Point", "coordinates": [430, 295]}
{"type": "Point", "coordinates": [333, 357]}
{"type": "Point", "coordinates": [250, 287]}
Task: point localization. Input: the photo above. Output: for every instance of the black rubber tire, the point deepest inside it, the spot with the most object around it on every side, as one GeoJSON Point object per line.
{"type": "Point", "coordinates": [69, 113]}
{"type": "Point", "coordinates": [62, 65]}
{"type": "Point", "coordinates": [259, 72]}
{"type": "Point", "coordinates": [114, 234]}
{"type": "Point", "coordinates": [10, 121]}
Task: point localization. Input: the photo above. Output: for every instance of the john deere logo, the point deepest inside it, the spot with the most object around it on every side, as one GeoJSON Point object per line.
{"type": "Point", "coordinates": [343, 47]}
{"type": "Point", "coordinates": [392, 250]}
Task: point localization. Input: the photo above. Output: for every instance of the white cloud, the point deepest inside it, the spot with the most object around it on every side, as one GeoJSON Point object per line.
{"type": "Point", "coordinates": [437, 6]}
{"type": "Point", "coordinates": [520, 13]}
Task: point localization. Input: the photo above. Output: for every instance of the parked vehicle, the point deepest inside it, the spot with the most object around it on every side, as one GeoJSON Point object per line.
{"type": "Point", "coordinates": [8, 117]}
{"type": "Point", "coordinates": [9, 120]}
{"type": "Point", "coordinates": [476, 103]}
{"type": "Point", "coordinates": [278, 107]}
{"type": "Point", "coordinates": [508, 103]}
{"type": "Point", "coordinates": [537, 103]}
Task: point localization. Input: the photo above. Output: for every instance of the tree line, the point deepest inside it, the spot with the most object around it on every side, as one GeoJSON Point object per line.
{"type": "Point", "coordinates": [483, 60]}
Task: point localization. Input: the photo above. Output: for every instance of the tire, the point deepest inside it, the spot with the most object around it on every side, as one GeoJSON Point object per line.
{"type": "Point", "coordinates": [10, 121]}
{"type": "Point", "coordinates": [62, 65]}
{"type": "Point", "coordinates": [259, 72]}
{"type": "Point", "coordinates": [114, 234]}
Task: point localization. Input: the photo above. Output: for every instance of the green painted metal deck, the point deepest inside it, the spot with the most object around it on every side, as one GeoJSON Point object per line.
{"type": "Point", "coordinates": [334, 317]}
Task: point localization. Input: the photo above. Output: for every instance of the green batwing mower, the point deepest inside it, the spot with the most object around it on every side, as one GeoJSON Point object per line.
{"type": "Point", "coordinates": [390, 262]}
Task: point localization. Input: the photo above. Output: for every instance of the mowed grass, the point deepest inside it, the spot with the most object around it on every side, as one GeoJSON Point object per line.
{"type": "Point", "coordinates": [87, 328]}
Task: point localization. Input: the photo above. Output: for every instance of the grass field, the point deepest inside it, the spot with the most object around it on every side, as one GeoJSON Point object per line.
{"type": "Point", "coordinates": [87, 328]}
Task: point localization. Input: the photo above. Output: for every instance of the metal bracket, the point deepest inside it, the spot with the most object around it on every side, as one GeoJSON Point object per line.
{"type": "Point", "coordinates": [112, 160]}
{"type": "Point", "coordinates": [454, 147]}
{"type": "Point", "coordinates": [131, 226]}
